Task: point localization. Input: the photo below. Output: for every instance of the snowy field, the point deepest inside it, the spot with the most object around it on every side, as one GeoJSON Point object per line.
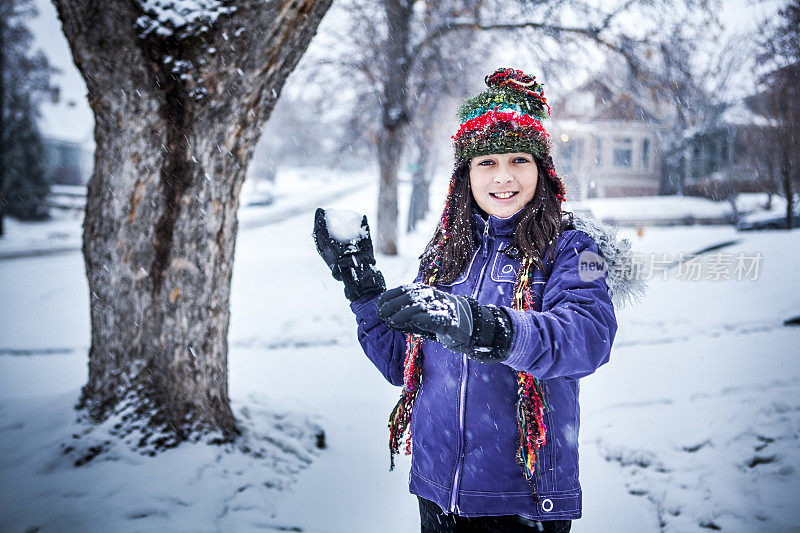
{"type": "Point", "coordinates": [692, 426]}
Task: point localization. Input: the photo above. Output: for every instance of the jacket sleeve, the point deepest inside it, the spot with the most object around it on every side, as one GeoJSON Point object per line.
{"type": "Point", "coordinates": [385, 347]}
{"type": "Point", "coordinates": [573, 334]}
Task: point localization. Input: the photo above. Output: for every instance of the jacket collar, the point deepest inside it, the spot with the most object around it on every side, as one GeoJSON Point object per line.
{"type": "Point", "coordinates": [498, 227]}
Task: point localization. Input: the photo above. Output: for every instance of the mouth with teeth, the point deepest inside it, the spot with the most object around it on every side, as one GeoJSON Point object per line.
{"type": "Point", "coordinates": [503, 195]}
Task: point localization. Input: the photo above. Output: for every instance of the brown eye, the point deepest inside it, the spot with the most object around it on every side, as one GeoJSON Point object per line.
{"type": "Point", "coordinates": [521, 160]}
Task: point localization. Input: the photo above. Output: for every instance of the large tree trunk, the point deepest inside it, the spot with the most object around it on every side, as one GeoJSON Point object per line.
{"type": "Point", "coordinates": [420, 184]}
{"type": "Point", "coordinates": [390, 147]}
{"type": "Point", "coordinates": [2, 123]}
{"type": "Point", "coordinates": [781, 101]}
{"type": "Point", "coordinates": [177, 115]}
{"type": "Point", "coordinates": [394, 118]}
{"type": "Point", "coordinates": [786, 182]}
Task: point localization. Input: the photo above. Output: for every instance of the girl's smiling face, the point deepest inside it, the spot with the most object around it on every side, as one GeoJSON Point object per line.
{"type": "Point", "coordinates": [502, 184]}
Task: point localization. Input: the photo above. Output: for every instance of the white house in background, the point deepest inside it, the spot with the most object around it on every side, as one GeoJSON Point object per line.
{"type": "Point", "coordinates": [66, 122]}
{"type": "Point", "coordinates": [67, 128]}
{"type": "Point", "coordinates": [606, 142]}
{"type": "Point", "coordinates": [66, 162]}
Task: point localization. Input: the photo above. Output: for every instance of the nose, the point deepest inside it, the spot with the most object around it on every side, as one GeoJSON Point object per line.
{"type": "Point", "coordinates": [502, 176]}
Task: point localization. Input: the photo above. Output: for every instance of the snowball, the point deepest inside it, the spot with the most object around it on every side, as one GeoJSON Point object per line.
{"type": "Point", "coordinates": [344, 225]}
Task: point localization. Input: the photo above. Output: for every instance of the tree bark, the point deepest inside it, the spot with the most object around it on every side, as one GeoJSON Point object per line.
{"type": "Point", "coordinates": [2, 125]}
{"type": "Point", "coordinates": [394, 118]}
{"type": "Point", "coordinates": [420, 184]}
{"type": "Point", "coordinates": [788, 189]}
{"type": "Point", "coordinates": [177, 116]}
{"type": "Point", "coordinates": [390, 147]}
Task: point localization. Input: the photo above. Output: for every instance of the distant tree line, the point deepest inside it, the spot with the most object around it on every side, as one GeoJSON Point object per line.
{"type": "Point", "coordinates": [24, 84]}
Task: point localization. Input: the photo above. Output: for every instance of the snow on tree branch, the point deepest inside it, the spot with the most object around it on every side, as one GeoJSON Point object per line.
{"type": "Point", "coordinates": [180, 17]}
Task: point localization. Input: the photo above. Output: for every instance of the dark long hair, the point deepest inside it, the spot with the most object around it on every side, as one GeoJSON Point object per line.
{"type": "Point", "coordinates": [538, 226]}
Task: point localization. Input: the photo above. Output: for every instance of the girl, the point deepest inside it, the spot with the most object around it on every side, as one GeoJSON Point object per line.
{"type": "Point", "coordinates": [512, 305]}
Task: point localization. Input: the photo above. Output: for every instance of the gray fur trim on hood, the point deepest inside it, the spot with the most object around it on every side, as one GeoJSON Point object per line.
{"type": "Point", "coordinates": [624, 282]}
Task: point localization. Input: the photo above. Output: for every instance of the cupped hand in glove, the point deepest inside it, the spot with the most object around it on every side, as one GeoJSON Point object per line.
{"type": "Point", "coordinates": [351, 260]}
{"type": "Point", "coordinates": [422, 310]}
{"type": "Point", "coordinates": [457, 322]}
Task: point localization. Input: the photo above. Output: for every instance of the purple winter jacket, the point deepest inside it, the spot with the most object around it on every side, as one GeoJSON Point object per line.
{"type": "Point", "coordinates": [464, 425]}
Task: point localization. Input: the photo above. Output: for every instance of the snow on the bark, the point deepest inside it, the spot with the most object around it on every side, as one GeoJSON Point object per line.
{"type": "Point", "coordinates": [166, 17]}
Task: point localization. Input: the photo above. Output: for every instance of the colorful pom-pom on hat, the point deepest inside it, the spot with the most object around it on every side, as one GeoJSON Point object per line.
{"type": "Point", "coordinates": [504, 118]}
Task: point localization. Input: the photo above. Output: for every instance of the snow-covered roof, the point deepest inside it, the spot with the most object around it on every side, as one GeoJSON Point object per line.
{"type": "Point", "coordinates": [615, 103]}
{"type": "Point", "coordinates": [70, 119]}
{"type": "Point", "coordinates": [739, 114]}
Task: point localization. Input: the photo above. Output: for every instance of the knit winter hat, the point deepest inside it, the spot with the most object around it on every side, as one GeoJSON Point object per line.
{"type": "Point", "coordinates": [504, 118]}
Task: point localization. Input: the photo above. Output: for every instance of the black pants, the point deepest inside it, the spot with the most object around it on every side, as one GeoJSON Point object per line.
{"type": "Point", "coordinates": [433, 520]}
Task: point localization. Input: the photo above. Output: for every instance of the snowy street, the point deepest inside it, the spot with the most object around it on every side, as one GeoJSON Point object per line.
{"type": "Point", "coordinates": [692, 426]}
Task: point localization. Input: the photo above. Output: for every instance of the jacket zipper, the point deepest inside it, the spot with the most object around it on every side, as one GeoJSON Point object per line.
{"type": "Point", "coordinates": [549, 478]}
{"type": "Point", "coordinates": [486, 241]}
{"type": "Point", "coordinates": [462, 397]}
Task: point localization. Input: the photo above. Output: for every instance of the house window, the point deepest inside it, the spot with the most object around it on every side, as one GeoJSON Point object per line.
{"type": "Point", "coordinates": [572, 149]}
{"type": "Point", "coordinates": [723, 151]}
{"type": "Point", "coordinates": [598, 152]}
{"type": "Point", "coordinates": [568, 150]}
{"type": "Point", "coordinates": [646, 153]}
{"type": "Point", "coordinates": [623, 152]}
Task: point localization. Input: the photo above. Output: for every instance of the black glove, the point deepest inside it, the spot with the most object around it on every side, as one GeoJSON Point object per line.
{"type": "Point", "coordinates": [351, 261]}
{"type": "Point", "coordinates": [460, 323]}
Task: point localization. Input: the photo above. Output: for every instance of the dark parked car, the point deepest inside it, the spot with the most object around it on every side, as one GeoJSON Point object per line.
{"type": "Point", "coordinates": [755, 223]}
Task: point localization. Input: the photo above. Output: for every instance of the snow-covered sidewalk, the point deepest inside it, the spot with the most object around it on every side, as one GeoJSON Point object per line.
{"type": "Point", "coordinates": [692, 426]}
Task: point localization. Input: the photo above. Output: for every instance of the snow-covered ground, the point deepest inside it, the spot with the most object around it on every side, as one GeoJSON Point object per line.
{"type": "Point", "coordinates": [692, 426]}
{"type": "Point", "coordinates": [700, 405]}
